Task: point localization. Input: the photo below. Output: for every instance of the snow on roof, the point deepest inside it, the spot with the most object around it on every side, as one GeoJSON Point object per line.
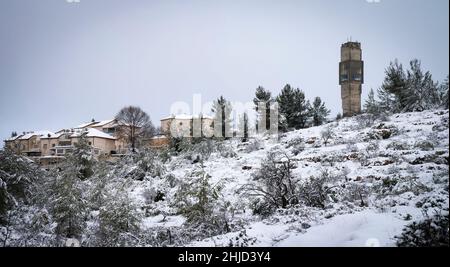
{"type": "Point", "coordinates": [102, 123]}
{"type": "Point", "coordinates": [84, 125]}
{"type": "Point", "coordinates": [159, 137]}
{"type": "Point", "coordinates": [38, 133]}
{"type": "Point", "coordinates": [187, 117]}
{"type": "Point", "coordinates": [13, 138]}
{"type": "Point", "coordinates": [90, 132]}
{"type": "Point", "coordinates": [52, 135]}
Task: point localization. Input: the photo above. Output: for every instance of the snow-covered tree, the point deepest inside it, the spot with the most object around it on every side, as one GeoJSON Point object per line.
{"type": "Point", "coordinates": [393, 91]}
{"type": "Point", "coordinates": [443, 92]}
{"type": "Point", "coordinates": [371, 106]}
{"type": "Point", "coordinates": [318, 112]}
{"type": "Point", "coordinates": [83, 157]}
{"type": "Point", "coordinates": [199, 201]}
{"type": "Point", "coordinates": [68, 206]}
{"type": "Point", "coordinates": [274, 182]}
{"type": "Point", "coordinates": [421, 90]}
{"type": "Point", "coordinates": [118, 219]}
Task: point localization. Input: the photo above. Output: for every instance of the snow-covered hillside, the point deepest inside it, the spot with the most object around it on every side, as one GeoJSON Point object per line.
{"type": "Point", "coordinates": [400, 166]}
{"type": "Point", "coordinates": [353, 182]}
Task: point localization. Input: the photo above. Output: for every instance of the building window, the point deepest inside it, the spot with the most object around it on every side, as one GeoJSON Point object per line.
{"type": "Point", "coordinates": [53, 145]}
{"type": "Point", "coordinates": [90, 143]}
{"type": "Point", "coordinates": [45, 146]}
{"type": "Point", "coordinates": [59, 151]}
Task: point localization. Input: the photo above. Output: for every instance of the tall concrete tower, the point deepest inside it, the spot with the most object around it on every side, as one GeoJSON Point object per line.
{"type": "Point", "coordinates": [351, 78]}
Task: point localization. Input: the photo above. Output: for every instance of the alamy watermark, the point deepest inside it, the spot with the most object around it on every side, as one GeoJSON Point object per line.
{"type": "Point", "coordinates": [228, 119]}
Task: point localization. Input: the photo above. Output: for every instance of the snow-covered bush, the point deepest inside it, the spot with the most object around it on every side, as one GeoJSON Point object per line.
{"type": "Point", "coordinates": [297, 144]}
{"type": "Point", "coordinates": [398, 145]}
{"type": "Point", "coordinates": [352, 147]}
{"type": "Point", "coordinates": [274, 182]}
{"type": "Point", "coordinates": [365, 120]}
{"type": "Point", "coordinates": [138, 166]}
{"type": "Point", "coordinates": [18, 176]}
{"type": "Point", "coordinates": [424, 145]}
{"type": "Point", "coordinates": [242, 240]}
{"type": "Point", "coordinates": [118, 220]}
{"type": "Point", "coordinates": [226, 150]}
{"type": "Point", "coordinates": [253, 145]}
{"type": "Point", "coordinates": [316, 191]}
{"type": "Point", "coordinates": [431, 232]}
{"type": "Point", "coordinates": [327, 134]}
{"type": "Point", "coordinates": [197, 199]}
{"type": "Point", "coordinates": [357, 192]}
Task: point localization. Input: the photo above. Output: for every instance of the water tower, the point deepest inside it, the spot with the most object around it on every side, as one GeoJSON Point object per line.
{"type": "Point", "coordinates": [351, 78]}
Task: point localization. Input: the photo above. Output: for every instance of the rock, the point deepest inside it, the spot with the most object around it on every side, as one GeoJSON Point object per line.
{"type": "Point", "coordinates": [306, 225]}
{"type": "Point", "coordinates": [424, 145]}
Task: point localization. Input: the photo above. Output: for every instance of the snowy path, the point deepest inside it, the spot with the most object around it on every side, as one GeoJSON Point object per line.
{"type": "Point", "coordinates": [366, 228]}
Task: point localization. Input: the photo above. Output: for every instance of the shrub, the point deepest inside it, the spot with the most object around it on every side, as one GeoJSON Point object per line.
{"type": "Point", "coordinates": [431, 232]}
{"type": "Point", "coordinates": [315, 191]}
{"type": "Point", "coordinates": [274, 182]}
{"type": "Point", "coordinates": [297, 144]}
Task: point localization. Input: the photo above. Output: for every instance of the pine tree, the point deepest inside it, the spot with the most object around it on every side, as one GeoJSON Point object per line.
{"type": "Point", "coordinates": [68, 207]}
{"type": "Point", "coordinates": [263, 97]}
{"type": "Point", "coordinates": [301, 111]}
{"type": "Point", "coordinates": [244, 127]}
{"type": "Point", "coordinates": [443, 92]}
{"type": "Point", "coordinates": [287, 106]}
{"type": "Point", "coordinates": [118, 219]}
{"type": "Point", "coordinates": [371, 105]}
{"type": "Point", "coordinates": [422, 90]}
{"type": "Point", "coordinates": [222, 117]}
{"type": "Point", "coordinates": [83, 157]}
{"type": "Point", "coordinates": [293, 107]}
{"type": "Point", "coordinates": [393, 91]}
{"type": "Point", "coordinates": [318, 112]}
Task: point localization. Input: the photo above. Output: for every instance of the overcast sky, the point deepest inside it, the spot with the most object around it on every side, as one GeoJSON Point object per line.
{"type": "Point", "coordinates": [64, 63]}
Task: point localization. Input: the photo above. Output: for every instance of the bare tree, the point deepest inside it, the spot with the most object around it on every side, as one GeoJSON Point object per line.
{"type": "Point", "coordinates": [327, 134]}
{"type": "Point", "coordinates": [134, 124]}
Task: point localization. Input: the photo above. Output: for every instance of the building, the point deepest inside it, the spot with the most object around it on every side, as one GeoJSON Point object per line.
{"type": "Point", "coordinates": [47, 148]}
{"type": "Point", "coordinates": [186, 126]}
{"type": "Point", "coordinates": [351, 78]}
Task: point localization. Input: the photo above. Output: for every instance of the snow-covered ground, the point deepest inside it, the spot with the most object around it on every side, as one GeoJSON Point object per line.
{"type": "Point", "coordinates": [410, 147]}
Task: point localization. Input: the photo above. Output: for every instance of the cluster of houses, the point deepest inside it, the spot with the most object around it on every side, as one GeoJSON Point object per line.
{"type": "Point", "coordinates": [48, 148]}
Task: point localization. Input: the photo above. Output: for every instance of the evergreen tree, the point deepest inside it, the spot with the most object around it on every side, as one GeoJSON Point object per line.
{"type": "Point", "coordinates": [287, 107]}
{"type": "Point", "coordinates": [118, 220]}
{"type": "Point", "coordinates": [394, 91]}
{"type": "Point", "coordinates": [263, 97]}
{"type": "Point", "coordinates": [68, 207]}
{"type": "Point", "coordinates": [222, 117]}
{"type": "Point", "coordinates": [371, 105]}
{"type": "Point", "coordinates": [318, 112]}
{"type": "Point", "coordinates": [293, 106]}
{"type": "Point", "coordinates": [443, 92]}
{"type": "Point", "coordinates": [244, 127]}
{"type": "Point", "coordinates": [83, 157]}
{"type": "Point", "coordinates": [302, 109]}
{"type": "Point", "coordinates": [421, 90]}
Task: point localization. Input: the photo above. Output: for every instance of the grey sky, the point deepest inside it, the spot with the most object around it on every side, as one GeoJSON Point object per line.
{"type": "Point", "coordinates": [62, 63]}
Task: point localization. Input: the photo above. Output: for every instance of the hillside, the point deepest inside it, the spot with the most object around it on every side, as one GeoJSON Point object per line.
{"type": "Point", "coordinates": [360, 186]}
{"type": "Point", "coordinates": [400, 164]}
